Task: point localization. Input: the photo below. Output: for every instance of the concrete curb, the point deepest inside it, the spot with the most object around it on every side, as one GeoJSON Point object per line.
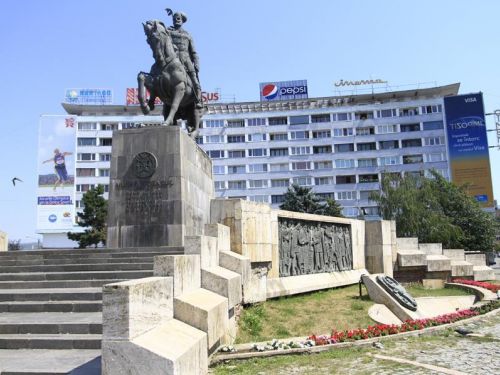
{"type": "Point", "coordinates": [318, 349]}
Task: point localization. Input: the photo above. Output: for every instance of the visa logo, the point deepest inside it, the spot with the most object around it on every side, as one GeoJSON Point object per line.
{"type": "Point", "coordinates": [470, 100]}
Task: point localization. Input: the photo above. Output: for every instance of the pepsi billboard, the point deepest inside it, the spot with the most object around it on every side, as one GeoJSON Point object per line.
{"type": "Point", "coordinates": [468, 145]}
{"type": "Point", "coordinates": [283, 90]}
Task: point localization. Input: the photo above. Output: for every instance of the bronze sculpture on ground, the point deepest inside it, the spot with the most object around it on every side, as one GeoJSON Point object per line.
{"type": "Point", "coordinates": [172, 75]}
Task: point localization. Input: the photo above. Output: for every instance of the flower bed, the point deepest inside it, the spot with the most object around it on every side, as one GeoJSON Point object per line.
{"type": "Point", "coordinates": [492, 287]}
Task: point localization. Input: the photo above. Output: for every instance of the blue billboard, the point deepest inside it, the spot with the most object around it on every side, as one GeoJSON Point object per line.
{"type": "Point", "coordinates": [283, 90]}
{"type": "Point", "coordinates": [468, 145]}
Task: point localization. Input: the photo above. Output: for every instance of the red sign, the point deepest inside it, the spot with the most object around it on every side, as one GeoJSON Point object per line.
{"type": "Point", "coordinates": [132, 97]}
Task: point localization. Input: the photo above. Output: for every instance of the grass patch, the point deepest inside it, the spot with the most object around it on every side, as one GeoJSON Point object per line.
{"type": "Point", "coordinates": [417, 290]}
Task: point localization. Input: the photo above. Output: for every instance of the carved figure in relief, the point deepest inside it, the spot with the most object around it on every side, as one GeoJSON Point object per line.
{"type": "Point", "coordinates": [317, 247]}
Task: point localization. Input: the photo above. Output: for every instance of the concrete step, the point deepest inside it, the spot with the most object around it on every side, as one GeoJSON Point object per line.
{"type": "Point", "coordinates": [47, 341]}
{"type": "Point", "coordinates": [51, 323]}
{"type": "Point", "coordinates": [52, 294]}
{"type": "Point", "coordinates": [411, 258]}
{"type": "Point", "coordinates": [77, 260]}
{"type": "Point", "coordinates": [483, 273]}
{"type": "Point", "coordinates": [57, 284]}
{"type": "Point", "coordinates": [84, 275]}
{"type": "Point", "coordinates": [407, 243]}
{"type": "Point", "coordinates": [50, 306]}
{"type": "Point", "coordinates": [132, 266]}
{"type": "Point", "coordinates": [55, 362]}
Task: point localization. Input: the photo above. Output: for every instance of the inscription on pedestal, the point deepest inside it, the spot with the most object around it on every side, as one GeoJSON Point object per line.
{"type": "Point", "coordinates": [143, 196]}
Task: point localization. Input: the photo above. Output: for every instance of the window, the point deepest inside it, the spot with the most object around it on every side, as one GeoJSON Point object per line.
{"type": "Point", "coordinates": [367, 178]}
{"type": "Point", "coordinates": [277, 199]}
{"type": "Point", "coordinates": [413, 159]}
{"type": "Point", "coordinates": [388, 145]}
{"type": "Point", "coordinates": [434, 141]}
{"type": "Point", "coordinates": [237, 185]}
{"type": "Point", "coordinates": [341, 180]}
{"type": "Point", "coordinates": [278, 121]}
{"type": "Point", "coordinates": [87, 141]}
{"type": "Point", "coordinates": [278, 152]}
{"type": "Point", "coordinates": [218, 169]}
{"type": "Point", "coordinates": [104, 157]}
{"type": "Point", "coordinates": [370, 211]}
{"type": "Point", "coordinates": [363, 115]}
{"type": "Point", "coordinates": [104, 172]}
{"type": "Point", "coordinates": [238, 138]}
{"type": "Point", "coordinates": [410, 111]}
{"type": "Point", "coordinates": [235, 123]}
{"type": "Point", "coordinates": [343, 132]}
{"type": "Point", "coordinates": [435, 157]}
{"type": "Point", "coordinates": [320, 118]}
{"type": "Point", "coordinates": [409, 128]}
{"type": "Point", "coordinates": [109, 126]}
{"type": "Point", "coordinates": [215, 154]}
{"type": "Point", "coordinates": [299, 135]}
{"type": "Point", "coordinates": [384, 129]}
{"type": "Point", "coordinates": [257, 168]}
{"type": "Point", "coordinates": [106, 141]}
{"type": "Point", "coordinates": [368, 130]}
{"type": "Point", "coordinates": [341, 117]}
{"type": "Point", "coordinates": [79, 204]}
{"type": "Point", "coordinates": [278, 136]}
{"type": "Point", "coordinates": [214, 139]}
{"type": "Point", "coordinates": [279, 167]}
{"type": "Point", "coordinates": [254, 152]}
{"type": "Point", "coordinates": [386, 113]}
{"type": "Point", "coordinates": [328, 180]}
{"type": "Point", "coordinates": [214, 123]}
{"type": "Point", "coordinates": [256, 121]}
{"type": "Point", "coordinates": [236, 169]}
{"type": "Point", "coordinates": [323, 165]}
{"type": "Point", "coordinates": [416, 174]}
{"type": "Point", "coordinates": [85, 157]}
{"type": "Point", "coordinates": [234, 154]}
{"type": "Point", "coordinates": [106, 188]}
{"type": "Point", "coordinates": [81, 188]}
{"type": "Point", "coordinates": [301, 165]}
{"type": "Point", "coordinates": [322, 149]}
{"type": "Point", "coordinates": [257, 184]}
{"type": "Point", "coordinates": [433, 125]}
{"type": "Point", "coordinates": [389, 160]}
{"type": "Point", "coordinates": [220, 185]}
{"type": "Point", "coordinates": [369, 146]}
{"type": "Point", "coordinates": [84, 126]}
{"type": "Point", "coordinates": [325, 196]}
{"type": "Point", "coordinates": [346, 147]}
{"type": "Point", "coordinates": [344, 163]}
{"type": "Point", "coordinates": [301, 150]}
{"type": "Point", "coordinates": [411, 143]}
{"type": "Point", "coordinates": [130, 125]}
{"type": "Point", "coordinates": [322, 134]}
{"type": "Point", "coordinates": [298, 120]}
{"type": "Point", "coordinates": [437, 108]}
{"type": "Point", "coordinates": [199, 140]}
{"type": "Point", "coordinates": [257, 137]}
{"type": "Point", "coordinates": [346, 195]}
{"type": "Point", "coordinates": [363, 163]}
{"type": "Point", "coordinates": [85, 172]}
{"type": "Point", "coordinates": [283, 182]}
{"type": "Point", "coordinates": [302, 181]}
{"type": "Point", "coordinates": [365, 194]}
{"type": "Point", "coordinates": [259, 198]}
{"type": "Point", "coordinates": [350, 211]}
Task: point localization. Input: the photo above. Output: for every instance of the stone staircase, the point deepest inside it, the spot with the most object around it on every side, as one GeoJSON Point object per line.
{"type": "Point", "coordinates": [51, 304]}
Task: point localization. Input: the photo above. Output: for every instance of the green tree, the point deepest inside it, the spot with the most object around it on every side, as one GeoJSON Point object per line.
{"type": "Point", "coordinates": [93, 217]}
{"type": "Point", "coordinates": [303, 199]}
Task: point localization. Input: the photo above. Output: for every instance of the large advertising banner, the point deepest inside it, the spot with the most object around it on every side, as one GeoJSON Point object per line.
{"type": "Point", "coordinates": [468, 145]}
{"type": "Point", "coordinates": [56, 173]}
{"type": "Point", "coordinates": [283, 90]}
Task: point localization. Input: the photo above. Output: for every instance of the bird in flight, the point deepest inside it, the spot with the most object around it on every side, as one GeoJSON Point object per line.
{"type": "Point", "coordinates": [16, 179]}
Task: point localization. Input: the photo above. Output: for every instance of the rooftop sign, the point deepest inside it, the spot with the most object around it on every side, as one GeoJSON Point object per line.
{"type": "Point", "coordinates": [359, 83]}
{"type": "Point", "coordinates": [88, 96]}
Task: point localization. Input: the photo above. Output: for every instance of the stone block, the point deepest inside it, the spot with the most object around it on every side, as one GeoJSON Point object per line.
{"type": "Point", "coordinates": [431, 248]}
{"type": "Point", "coordinates": [461, 268]}
{"type": "Point", "coordinates": [407, 243]}
{"type": "Point", "coordinates": [232, 330]}
{"type": "Point", "coordinates": [173, 348]}
{"type": "Point", "coordinates": [256, 290]}
{"type": "Point", "coordinates": [184, 269]}
{"type": "Point", "coordinates": [204, 310]}
{"type": "Point", "coordinates": [438, 263]}
{"type": "Point", "coordinates": [411, 258]}
{"type": "Point", "coordinates": [206, 247]}
{"type": "Point", "coordinates": [454, 254]}
{"type": "Point", "coordinates": [483, 273]}
{"type": "Point", "coordinates": [223, 234]}
{"type": "Point", "coordinates": [378, 247]}
{"type": "Point", "coordinates": [131, 308]}
{"type": "Point", "coordinates": [433, 283]}
{"type": "Point", "coordinates": [223, 282]}
{"type": "Point", "coordinates": [477, 259]}
{"type": "Point", "coordinates": [251, 282]}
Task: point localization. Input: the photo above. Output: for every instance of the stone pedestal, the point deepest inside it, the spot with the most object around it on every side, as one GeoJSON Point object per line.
{"type": "Point", "coordinates": [160, 188]}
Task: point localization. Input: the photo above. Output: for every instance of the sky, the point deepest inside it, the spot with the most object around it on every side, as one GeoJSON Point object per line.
{"type": "Point", "coordinates": [47, 47]}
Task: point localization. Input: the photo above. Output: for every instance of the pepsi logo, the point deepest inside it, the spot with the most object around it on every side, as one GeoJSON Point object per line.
{"type": "Point", "coordinates": [270, 91]}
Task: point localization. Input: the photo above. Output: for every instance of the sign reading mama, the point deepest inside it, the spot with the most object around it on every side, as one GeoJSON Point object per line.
{"type": "Point", "coordinates": [283, 90]}
{"type": "Point", "coordinates": [468, 145]}
{"type": "Point", "coordinates": [359, 83]}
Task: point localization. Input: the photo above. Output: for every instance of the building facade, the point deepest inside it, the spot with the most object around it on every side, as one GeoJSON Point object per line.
{"type": "Point", "coordinates": [339, 146]}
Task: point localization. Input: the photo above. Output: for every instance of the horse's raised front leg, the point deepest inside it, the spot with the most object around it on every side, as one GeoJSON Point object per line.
{"type": "Point", "coordinates": [179, 90]}
{"type": "Point", "coordinates": [141, 80]}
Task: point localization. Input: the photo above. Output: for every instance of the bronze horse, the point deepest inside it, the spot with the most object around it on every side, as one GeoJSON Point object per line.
{"type": "Point", "coordinates": [168, 81]}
